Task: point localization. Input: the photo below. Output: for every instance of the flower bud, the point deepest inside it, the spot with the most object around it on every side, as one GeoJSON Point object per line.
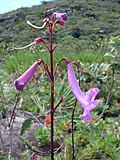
{"type": "Point", "coordinates": [47, 120]}
{"type": "Point", "coordinates": [24, 78]}
{"type": "Point", "coordinates": [62, 16]}
{"type": "Point", "coordinates": [61, 22]}
{"type": "Point", "coordinates": [38, 40]}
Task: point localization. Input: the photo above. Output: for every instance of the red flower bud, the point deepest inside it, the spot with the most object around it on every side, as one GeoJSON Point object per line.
{"type": "Point", "coordinates": [47, 120]}
{"type": "Point", "coordinates": [66, 124]}
{"type": "Point", "coordinates": [38, 40]}
{"type": "Point", "coordinates": [61, 22]}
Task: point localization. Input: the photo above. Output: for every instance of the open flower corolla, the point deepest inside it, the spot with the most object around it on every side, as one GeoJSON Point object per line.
{"type": "Point", "coordinates": [87, 101]}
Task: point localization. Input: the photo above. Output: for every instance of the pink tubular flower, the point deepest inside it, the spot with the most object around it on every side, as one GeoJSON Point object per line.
{"type": "Point", "coordinates": [87, 101]}
{"type": "Point", "coordinates": [62, 16]}
{"type": "Point", "coordinates": [24, 78]}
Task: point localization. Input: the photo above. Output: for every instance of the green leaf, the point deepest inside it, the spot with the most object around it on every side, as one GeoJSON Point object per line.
{"type": "Point", "coordinates": [3, 158]}
{"type": "Point", "coordinates": [25, 126]}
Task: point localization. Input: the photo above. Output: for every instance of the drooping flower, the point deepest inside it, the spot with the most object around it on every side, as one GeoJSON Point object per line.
{"type": "Point", "coordinates": [24, 78]}
{"type": "Point", "coordinates": [62, 16]}
{"type": "Point", "coordinates": [87, 101]}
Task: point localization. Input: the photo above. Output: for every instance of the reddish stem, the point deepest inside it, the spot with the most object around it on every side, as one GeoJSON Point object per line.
{"type": "Point", "coordinates": [72, 130]}
{"type": "Point", "coordinates": [60, 101]}
{"type": "Point", "coordinates": [52, 93]}
{"type": "Point", "coordinates": [72, 120]}
{"type": "Point", "coordinates": [62, 59]}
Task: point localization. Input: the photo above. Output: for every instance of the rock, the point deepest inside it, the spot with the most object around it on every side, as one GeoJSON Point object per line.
{"type": "Point", "coordinates": [88, 15]}
{"type": "Point", "coordinates": [76, 33]}
{"type": "Point", "coordinates": [2, 19]}
{"type": "Point", "coordinates": [1, 39]}
{"type": "Point", "coordinates": [18, 145]}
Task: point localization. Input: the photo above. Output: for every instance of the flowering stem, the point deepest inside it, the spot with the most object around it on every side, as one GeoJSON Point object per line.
{"type": "Point", "coordinates": [62, 59]}
{"type": "Point", "coordinates": [60, 101]}
{"type": "Point", "coordinates": [52, 95]}
{"type": "Point", "coordinates": [72, 120]}
{"type": "Point", "coordinates": [72, 130]}
{"type": "Point", "coordinates": [13, 113]}
{"type": "Point", "coordinates": [59, 148]}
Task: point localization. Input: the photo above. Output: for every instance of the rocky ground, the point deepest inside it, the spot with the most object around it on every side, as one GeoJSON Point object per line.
{"type": "Point", "coordinates": [11, 142]}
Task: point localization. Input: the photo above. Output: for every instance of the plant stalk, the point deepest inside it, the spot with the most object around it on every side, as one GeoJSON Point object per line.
{"type": "Point", "coordinates": [72, 118]}
{"type": "Point", "coordinates": [72, 131]}
{"type": "Point", "coordinates": [52, 95]}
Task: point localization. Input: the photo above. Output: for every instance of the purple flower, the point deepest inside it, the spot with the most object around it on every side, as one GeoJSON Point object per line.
{"type": "Point", "coordinates": [87, 101]}
{"type": "Point", "coordinates": [62, 16]}
{"type": "Point", "coordinates": [24, 78]}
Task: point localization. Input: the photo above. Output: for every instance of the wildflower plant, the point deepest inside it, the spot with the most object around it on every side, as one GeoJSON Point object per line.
{"type": "Point", "coordinates": [87, 101]}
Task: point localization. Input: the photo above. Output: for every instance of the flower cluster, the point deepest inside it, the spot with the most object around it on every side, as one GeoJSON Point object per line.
{"type": "Point", "coordinates": [87, 101]}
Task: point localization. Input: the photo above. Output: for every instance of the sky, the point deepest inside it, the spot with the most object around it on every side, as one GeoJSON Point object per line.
{"type": "Point", "coordinates": [9, 5]}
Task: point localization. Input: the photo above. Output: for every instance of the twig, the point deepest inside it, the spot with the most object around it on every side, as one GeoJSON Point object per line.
{"type": "Point", "coordinates": [2, 143]}
{"type": "Point", "coordinates": [61, 99]}
{"type": "Point", "coordinates": [59, 148]}
{"type": "Point", "coordinates": [72, 131]}
{"type": "Point", "coordinates": [62, 59]}
{"type": "Point", "coordinates": [45, 154]}
{"type": "Point", "coordinates": [35, 118]}
{"type": "Point", "coordinates": [86, 154]}
{"type": "Point", "coordinates": [40, 153]}
{"type": "Point", "coordinates": [11, 127]}
{"type": "Point", "coordinates": [13, 113]}
{"type": "Point", "coordinates": [55, 47]}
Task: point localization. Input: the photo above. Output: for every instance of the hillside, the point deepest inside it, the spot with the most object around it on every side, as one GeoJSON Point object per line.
{"type": "Point", "coordinates": [89, 21]}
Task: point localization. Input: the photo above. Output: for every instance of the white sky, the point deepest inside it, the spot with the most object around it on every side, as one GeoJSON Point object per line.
{"type": "Point", "coordinates": [9, 5]}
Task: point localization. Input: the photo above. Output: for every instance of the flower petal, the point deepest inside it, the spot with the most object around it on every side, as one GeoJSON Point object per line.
{"type": "Point", "coordinates": [90, 106]}
{"type": "Point", "coordinates": [75, 87]}
{"type": "Point", "coordinates": [91, 94]}
{"type": "Point", "coordinates": [24, 78]}
{"type": "Point", "coordinates": [62, 16]}
{"type": "Point", "coordinates": [86, 118]}
{"type": "Point", "coordinates": [87, 101]}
